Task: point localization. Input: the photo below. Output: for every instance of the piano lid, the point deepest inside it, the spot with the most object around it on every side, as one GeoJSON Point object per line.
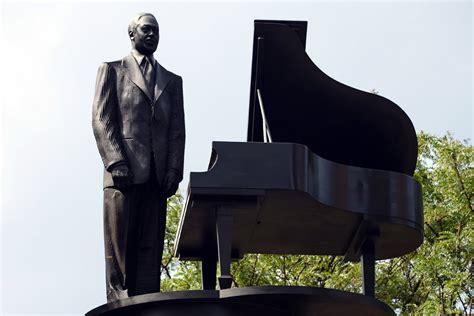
{"type": "Point", "coordinates": [304, 105]}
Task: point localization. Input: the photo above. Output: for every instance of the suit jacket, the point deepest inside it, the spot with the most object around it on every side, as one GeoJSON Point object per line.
{"type": "Point", "coordinates": [130, 126]}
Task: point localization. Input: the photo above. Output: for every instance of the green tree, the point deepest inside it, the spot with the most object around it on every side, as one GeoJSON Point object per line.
{"type": "Point", "coordinates": [177, 275]}
{"type": "Point", "coordinates": [435, 279]}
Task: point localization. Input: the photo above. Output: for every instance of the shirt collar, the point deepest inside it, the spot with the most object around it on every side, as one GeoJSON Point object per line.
{"type": "Point", "coordinates": [139, 57]}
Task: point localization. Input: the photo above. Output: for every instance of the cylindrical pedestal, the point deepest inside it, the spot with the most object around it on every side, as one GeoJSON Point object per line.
{"type": "Point", "coordinates": [250, 301]}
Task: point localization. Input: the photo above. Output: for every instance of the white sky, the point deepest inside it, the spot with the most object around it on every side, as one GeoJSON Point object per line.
{"type": "Point", "coordinates": [418, 54]}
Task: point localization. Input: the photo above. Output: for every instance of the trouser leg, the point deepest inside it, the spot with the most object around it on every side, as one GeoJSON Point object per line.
{"type": "Point", "coordinates": [118, 216]}
{"type": "Point", "coordinates": [152, 219]}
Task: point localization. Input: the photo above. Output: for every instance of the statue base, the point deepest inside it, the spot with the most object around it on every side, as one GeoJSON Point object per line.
{"type": "Point", "coordinates": [248, 301]}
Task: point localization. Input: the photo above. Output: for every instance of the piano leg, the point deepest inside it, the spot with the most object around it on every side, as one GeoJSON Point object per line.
{"type": "Point", "coordinates": [368, 266]}
{"type": "Point", "coordinates": [208, 270]}
{"type": "Point", "coordinates": [224, 245]}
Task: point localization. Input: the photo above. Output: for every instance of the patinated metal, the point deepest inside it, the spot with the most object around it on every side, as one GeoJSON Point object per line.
{"type": "Point", "coordinates": [138, 123]}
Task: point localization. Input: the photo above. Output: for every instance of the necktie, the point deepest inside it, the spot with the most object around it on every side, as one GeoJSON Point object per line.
{"type": "Point", "coordinates": [149, 74]}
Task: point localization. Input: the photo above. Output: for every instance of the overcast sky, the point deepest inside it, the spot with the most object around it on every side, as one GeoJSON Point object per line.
{"type": "Point", "coordinates": [418, 54]}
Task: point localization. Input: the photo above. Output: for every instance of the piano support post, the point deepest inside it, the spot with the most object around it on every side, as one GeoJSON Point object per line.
{"type": "Point", "coordinates": [208, 270]}
{"type": "Point", "coordinates": [368, 265]}
{"type": "Point", "coordinates": [362, 245]}
{"type": "Point", "coordinates": [224, 221]}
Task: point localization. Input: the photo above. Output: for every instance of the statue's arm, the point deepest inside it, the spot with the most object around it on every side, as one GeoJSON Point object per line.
{"type": "Point", "coordinates": [176, 134]}
{"type": "Point", "coordinates": [104, 122]}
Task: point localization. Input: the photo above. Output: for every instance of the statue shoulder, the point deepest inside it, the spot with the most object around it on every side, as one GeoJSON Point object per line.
{"type": "Point", "coordinates": [108, 65]}
{"type": "Point", "coordinates": [114, 64]}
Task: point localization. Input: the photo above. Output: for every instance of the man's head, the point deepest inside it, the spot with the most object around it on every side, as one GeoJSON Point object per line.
{"type": "Point", "coordinates": [144, 33]}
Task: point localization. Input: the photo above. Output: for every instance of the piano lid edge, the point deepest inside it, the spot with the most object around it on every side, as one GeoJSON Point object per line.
{"type": "Point", "coordinates": [408, 158]}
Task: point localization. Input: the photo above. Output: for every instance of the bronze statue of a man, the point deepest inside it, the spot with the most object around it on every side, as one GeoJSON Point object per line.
{"type": "Point", "coordinates": [138, 123]}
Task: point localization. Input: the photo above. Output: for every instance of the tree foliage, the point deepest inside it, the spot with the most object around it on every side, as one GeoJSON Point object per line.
{"type": "Point", "coordinates": [435, 279]}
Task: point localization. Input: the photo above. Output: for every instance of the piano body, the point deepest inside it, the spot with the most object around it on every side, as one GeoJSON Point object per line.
{"type": "Point", "coordinates": [326, 170]}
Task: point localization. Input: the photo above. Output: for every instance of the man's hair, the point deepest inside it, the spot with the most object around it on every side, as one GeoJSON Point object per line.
{"type": "Point", "coordinates": [132, 25]}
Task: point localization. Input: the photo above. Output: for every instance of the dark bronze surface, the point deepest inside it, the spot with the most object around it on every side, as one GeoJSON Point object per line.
{"type": "Point", "coordinates": [297, 203]}
{"type": "Point", "coordinates": [304, 105]}
{"type": "Point", "coordinates": [138, 123]}
{"type": "Point", "coordinates": [251, 301]}
{"type": "Point", "coordinates": [336, 180]}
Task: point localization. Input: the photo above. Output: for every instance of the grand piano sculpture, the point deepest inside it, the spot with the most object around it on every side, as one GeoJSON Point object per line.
{"type": "Point", "coordinates": [327, 170]}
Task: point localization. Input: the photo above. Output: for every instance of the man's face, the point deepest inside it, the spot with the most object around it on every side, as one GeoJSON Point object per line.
{"type": "Point", "coordinates": [146, 35]}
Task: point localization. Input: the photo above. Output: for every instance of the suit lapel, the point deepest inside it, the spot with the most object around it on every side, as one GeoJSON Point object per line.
{"type": "Point", "coordinates": [135, 74]}
{"type": "Point", "coordinates": [162, 78]}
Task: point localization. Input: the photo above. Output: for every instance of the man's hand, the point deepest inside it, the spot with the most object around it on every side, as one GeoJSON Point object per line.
{"type": "Point", "coordinates": [170, 185]}
{"type": "Point", "coordinates": [121, 175]}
